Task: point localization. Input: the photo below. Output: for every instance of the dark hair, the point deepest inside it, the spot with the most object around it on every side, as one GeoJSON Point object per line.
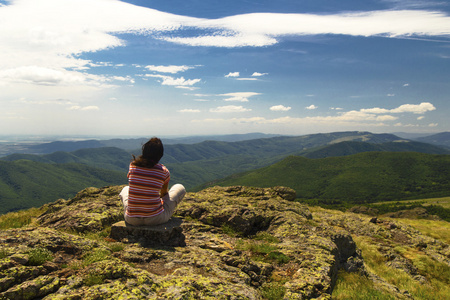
{"type": "Point", "coordinates": [152, 151]}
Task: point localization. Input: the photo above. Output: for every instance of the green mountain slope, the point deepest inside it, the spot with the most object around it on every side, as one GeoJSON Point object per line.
{"type": "Point", "coordinates": [106, 158]}
{"type": "Point", "coordinates": [195, 164]}
{"type": "Point", "coordinates": [351, 147]}
{"type": "Point", "coordinates": [25, 183]}
{"type": "Point", "coordinates": [360, 178]}
{"type": "Point", "coordinates": [268, 147]}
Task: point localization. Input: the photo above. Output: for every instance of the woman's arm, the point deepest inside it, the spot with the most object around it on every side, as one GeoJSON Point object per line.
{"type": "Point", "coordinates": [164, 190]}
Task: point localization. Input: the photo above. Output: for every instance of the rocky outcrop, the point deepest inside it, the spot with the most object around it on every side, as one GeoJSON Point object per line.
{"type": "Point", "coordinates": [167, 234]}
{"type": "Point", "coordinates": [240, 243]}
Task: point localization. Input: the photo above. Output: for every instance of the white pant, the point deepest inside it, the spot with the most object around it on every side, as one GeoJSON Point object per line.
{"type": "Point", "coordinates": [170, 202]}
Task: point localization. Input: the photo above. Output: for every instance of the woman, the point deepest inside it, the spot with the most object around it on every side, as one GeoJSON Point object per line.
{"type": "Point", "coordinates": [147, 200]}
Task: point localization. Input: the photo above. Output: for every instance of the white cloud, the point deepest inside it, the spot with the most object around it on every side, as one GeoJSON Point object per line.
{"type": "Point", "coordinates": [190, 88]}
{"type": "Point", "coordinates": [84, 108]}
{"type": "Point", "coordinates": [232, 74]}
{"type": "Point", "coordinates": [188, 110]}
{"type": "Point", "coordinates": [405, 108]}
{"type": "Point", "coordinates": [169, 69]}
{"type": "Point", "coordinates": [264, 29]}
{"type": "Point", "coordinates": [311, 107]}
{"type": "Point", "coordinates": [390, 95]}
{"type": "Point", "coordinates": [280, 108]}
{"type": "Point", "coordinates": [248, 79]}
{"type": "Point", "coordinates": [41, 41]}
{"type": "Point", "coordinates": [414, 108]}
{"type": "Point", "coordinates": [420, 118]}
{"type": "Point", "coordinates": [169, 80]}
{"type": "Point", "coordinates": [229, 109]}
{"type": "Point", "coordinates": [406, 84]}
{"type": "Point", "coordinates": [240, 96]}
{"type": "Point", "coordinates": [47, 76]}
{"type": "Point", "coordinates": [336, 108]}
{"type": "Point", "coordinates": [257, 74]}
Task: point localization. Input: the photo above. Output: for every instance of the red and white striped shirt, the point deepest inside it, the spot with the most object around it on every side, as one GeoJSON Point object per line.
{"type": "Point", "coordinates": [145, 185]}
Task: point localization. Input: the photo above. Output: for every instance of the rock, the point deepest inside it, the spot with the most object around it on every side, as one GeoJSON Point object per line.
{"type": "Point", "coordinates": [240, 243]}
{"type": "Point", "coordinates": [374, 220]}
{"type": "Point", "coordinates": [364, 210]}
{"type": "Point", "coordinates": [345, 245]}
{"type": "Point", "coordinates": [415, 213]}
{"type": "Point", "coordinates": [89, 211]}
{"type": "Point", "coordinates": [167, 234]}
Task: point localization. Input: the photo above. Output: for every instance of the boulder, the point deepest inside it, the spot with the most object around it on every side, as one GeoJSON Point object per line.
{"type": "Point", "coordinates": [167, 234]}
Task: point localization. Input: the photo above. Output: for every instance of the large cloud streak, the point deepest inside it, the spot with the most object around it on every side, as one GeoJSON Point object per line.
{"type": "Point", "coordinates": [51, 34]}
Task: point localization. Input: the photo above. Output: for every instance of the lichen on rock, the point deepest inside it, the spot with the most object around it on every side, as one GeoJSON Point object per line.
{"type": "Point", "coordinates": [240, 242]}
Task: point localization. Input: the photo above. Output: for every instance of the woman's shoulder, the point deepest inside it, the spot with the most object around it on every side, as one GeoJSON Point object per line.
{"type": "Point", "coordinates": [161, 167]}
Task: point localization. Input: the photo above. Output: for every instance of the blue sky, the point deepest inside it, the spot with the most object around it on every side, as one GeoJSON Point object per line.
{"type": "Point", "coordinates": [144, 68]}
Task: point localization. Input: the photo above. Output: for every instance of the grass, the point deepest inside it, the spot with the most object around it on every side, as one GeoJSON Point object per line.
{"type": "Point", "coordinates": [442, 201]}
{"type": "Point", "coordinates": [93, 279]}
{"type": "Point", "coordinates": [272, 290]}
{"type": "Point", "coordinates": [38, 256]}
{"type": "Point", "coordinates": [20, 219]}
{"type": "Point", "coordinates": [96, 256]}
{"type": "Point", "coordinates": [3, 253]}
{"type": "Point", "coordinates": [439, 230]}
{"type": "Point", "coordinates": [263, 251]}
{"type": "Point", "coordinates": [265, 236]}
{"type": "Point", "coordinates": [355, 286]}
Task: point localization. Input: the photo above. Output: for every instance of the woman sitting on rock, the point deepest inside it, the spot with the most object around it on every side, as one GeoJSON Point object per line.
{"type": "Point", "coordinates": [147, 200]}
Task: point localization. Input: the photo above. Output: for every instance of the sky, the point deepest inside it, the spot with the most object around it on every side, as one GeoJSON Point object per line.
{"type": "Point", "coordinates": [193, 67]}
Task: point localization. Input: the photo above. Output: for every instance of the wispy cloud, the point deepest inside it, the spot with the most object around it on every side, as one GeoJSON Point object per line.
{"type": "Point", "coordinates": [265, 29]}
{"type": "Point", "coordinates": [52, 29]}
{"type": "Point", "coordinates": [229, 109]}
{"type": "Point", "coordinates": [240, 96]}
{"type": "Point", "coordinates": [169, 80]}
{"type": "Point", "coordinates": [189, 110]}
{"type": "Point", "coordinates": [84, 108]}
{"type": "Point", "coordinates": [311, 107]}
{"type": "Point", "coordinates": [169, 69]}
{"type": "Point", "coordinates": [247, 79]}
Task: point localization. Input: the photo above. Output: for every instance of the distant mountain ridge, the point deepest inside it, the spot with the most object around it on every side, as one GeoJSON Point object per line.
{"type": "Point", "coordinates": [360, 178]}
{"type": "Point", "coordinates": [442, 139]}
{"type": "Point", "coordinates": [126, 144]}
{"type": "Point", "coordinates": [351, 147]}
{"type": "Point", "coordinates": [196, 164]}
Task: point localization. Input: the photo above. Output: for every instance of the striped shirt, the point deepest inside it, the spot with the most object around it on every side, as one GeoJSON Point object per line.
{"type": "Point", "coordinates": [145, 184]}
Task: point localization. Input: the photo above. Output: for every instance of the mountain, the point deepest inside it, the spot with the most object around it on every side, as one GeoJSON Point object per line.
{"type": "Point", "coordinates": [105, 158]}
{"type": "Point", "coordinates": [25, 184]}
{"type": "Point", "coordinates": [349, 148]}
{"type": "Point", "coordinates": [126, 144]}
{"type": "Point", "coordinates": [360, 178]}
{"type": "Point", "coordinates": [195, 164]}
{"type": "Point", "coordinates": [240, 243]}
{"type": "Point", "coordinates": [269, 147]}
{"type": "Point", "coordinates": [441, 139]}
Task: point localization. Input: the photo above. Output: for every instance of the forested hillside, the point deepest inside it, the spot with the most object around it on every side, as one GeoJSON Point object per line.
{"type": "Point", "coordinates": [25, 184]}
{"type": "Point", "coordinates": [104, 158]}
{"type": "Point", "coordinates": [191, 164]}
{"type": "Point", "coordinates": [361, 178]}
